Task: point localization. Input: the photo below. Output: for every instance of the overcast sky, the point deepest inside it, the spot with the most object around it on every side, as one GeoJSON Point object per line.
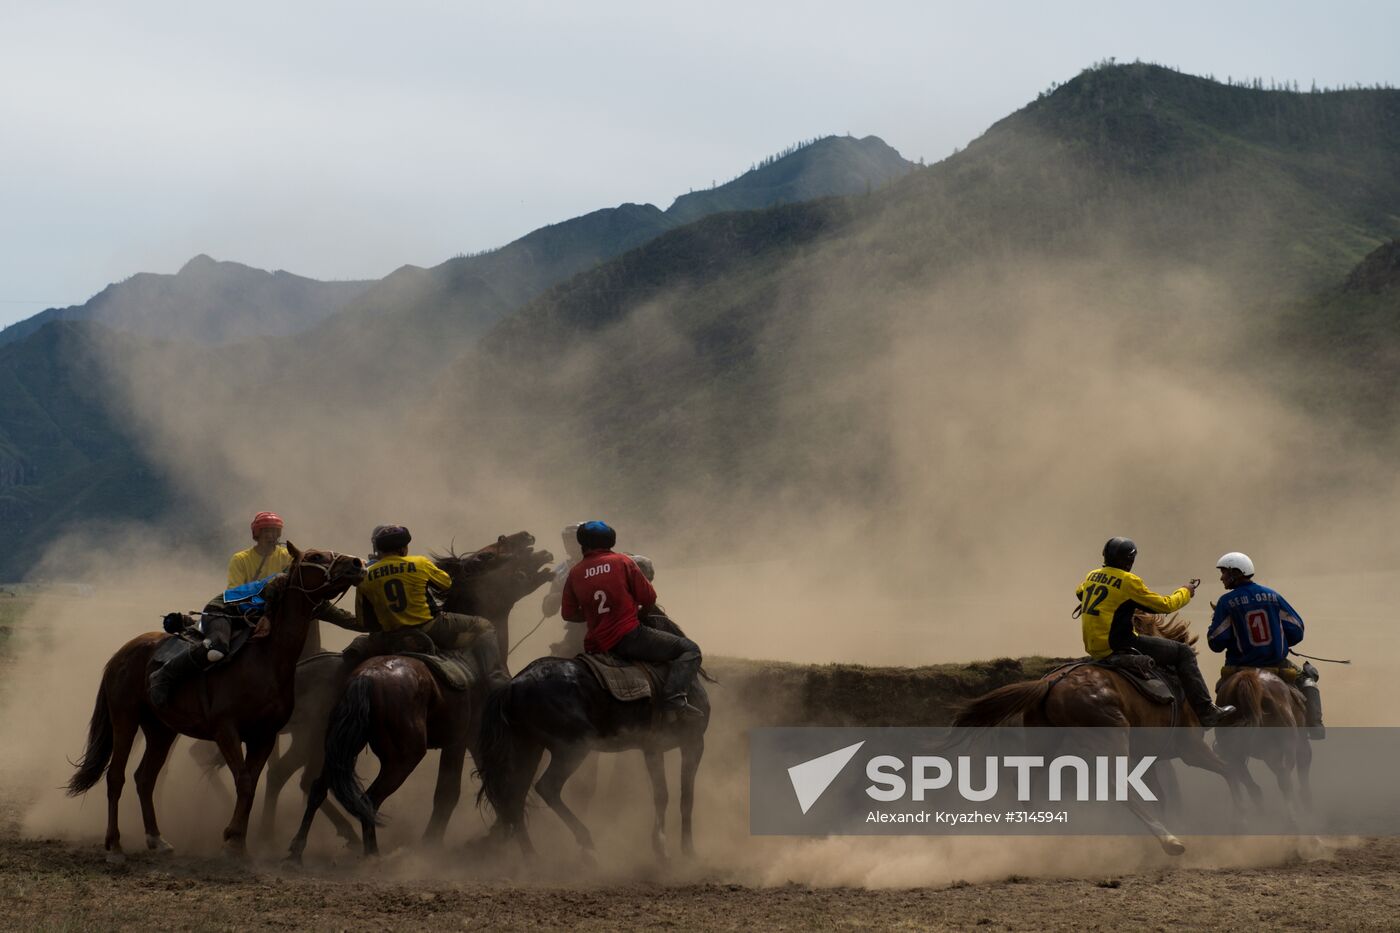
{"type": "Point", "coordinates": [342, 139]}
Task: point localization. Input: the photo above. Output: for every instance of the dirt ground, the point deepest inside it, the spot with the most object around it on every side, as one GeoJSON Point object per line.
{"type": "Point", "coordinates": [50, 885]}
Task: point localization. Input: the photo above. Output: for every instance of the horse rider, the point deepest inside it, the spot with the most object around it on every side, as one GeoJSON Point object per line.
{"type": "Point", "coordinates": [1255, 627]}
{"type": "Point", "coordinates": [1109, 596]}
{"type": "Point", "coordinates": [265, 558]}
{"type": "Point", "coordinates": [572, 642]}
{"type": "Point", "coordinates": [606, 590]}
{"type": "Point", "coordinates": [400, 592]}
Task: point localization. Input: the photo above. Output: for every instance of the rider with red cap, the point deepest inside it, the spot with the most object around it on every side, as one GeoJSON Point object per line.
{"type": "Point", "coordinates": [265, 557]}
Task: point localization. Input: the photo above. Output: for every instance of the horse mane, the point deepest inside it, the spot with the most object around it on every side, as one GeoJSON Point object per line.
{"type": "Point", "coordinates": [1171, 627]}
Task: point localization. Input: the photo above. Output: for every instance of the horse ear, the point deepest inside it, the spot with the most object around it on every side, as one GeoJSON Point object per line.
{"type": "Point", "coordinates": [293, 550]}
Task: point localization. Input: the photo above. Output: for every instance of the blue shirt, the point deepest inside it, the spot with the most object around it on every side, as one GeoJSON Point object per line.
{"type": "Point", "coordinates": [1254, 626]}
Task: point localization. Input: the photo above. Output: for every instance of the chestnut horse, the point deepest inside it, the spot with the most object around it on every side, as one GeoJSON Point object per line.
{"type": "Point", "coordinates": [1098, 697]}
{"type": "Point", "coordinates": [1266, 699]}
{"type": "Point", "coordinates": [407, 711]}
{"type": "Point", "coordinates": [246, 701]}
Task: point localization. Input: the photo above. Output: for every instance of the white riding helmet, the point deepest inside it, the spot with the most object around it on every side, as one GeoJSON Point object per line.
{"type": "Point", "coordinates": [1236, 561]}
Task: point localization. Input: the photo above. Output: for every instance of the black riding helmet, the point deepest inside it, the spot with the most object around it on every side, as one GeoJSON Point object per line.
{"type": "Point", "coordinates": [594, 536]}
{"type": "Point", "coordinates": [389, 538]}
{"type": "Point", "coordinates": [1120, 553]}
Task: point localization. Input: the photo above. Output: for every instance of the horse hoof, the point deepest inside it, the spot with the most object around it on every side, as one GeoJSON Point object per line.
{"type": "Point", "coordinates": [1171, 845]}
{"type": "Point", "coordinates": [589, 857]}
{"type": "Point", "coordinates": [159, 846]}
{"type": "Point", "coordinates": [116, 857]}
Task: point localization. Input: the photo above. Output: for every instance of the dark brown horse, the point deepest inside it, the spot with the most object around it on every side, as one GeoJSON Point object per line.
{"type": "Point", "coordinates": [404, 710]}
{"type": "Point", "coordinates": [1098, 697]}
{"type": "Point", "coordinates": [245, 702]}
{"type": "Point", "coordinates": [1265, 699]}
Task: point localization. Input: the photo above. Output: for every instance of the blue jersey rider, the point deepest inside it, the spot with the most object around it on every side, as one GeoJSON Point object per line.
{"type": "Point", "coordinates": [1255, 627]}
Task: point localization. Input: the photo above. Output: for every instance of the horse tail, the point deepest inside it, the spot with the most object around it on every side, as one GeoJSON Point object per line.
{"type": "Point", "coordinates": [1246, 691]}
{"type": "Point", "coordinates": [504, 765]}
{"type": "Point", "coordinates": [347, 734]}
{"type": "Point", "coordinates": [992, 709]}
{"type": "Point", "coordinates": [99, 744]}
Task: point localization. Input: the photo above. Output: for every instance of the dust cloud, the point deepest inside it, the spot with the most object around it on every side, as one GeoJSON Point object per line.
{"type": "Point", "coordinates": [960, 443]}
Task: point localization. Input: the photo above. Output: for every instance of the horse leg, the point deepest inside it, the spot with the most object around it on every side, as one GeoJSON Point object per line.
{"type": "Point", "coordinates": [159, 738]}
{"type": "Point", "coordinates": [315, 764]}
{"type": "Point", "coordinates": [395, 765]}
{"type": "Point", "coordinates": [1304, 758]}
{"type": "Point", "coordinates": [245, 779]}
{"type": "Point", "coordinates": [691, 753]}
{"type": "Point", "coordinates": [656, 770]}
{"type": "Point", "coordinates": [1195, 752]}
{"type": "Point", "coordinates": [564, 761]}
{"type": "Point", "coordinates": [123, 734]}
{"type": "Point", "coordinates": [586, 782]}
{"type": "Point", "coordinates": [316, 795]}
{"type": "Point", "coordinates": [280, 768]}
{"type": "Point", "coordinates": [446, 794]}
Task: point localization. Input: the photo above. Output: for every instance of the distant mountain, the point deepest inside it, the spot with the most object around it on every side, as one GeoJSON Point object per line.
{"type": "Point", "coordinates": [464, 297]}
{"type": "Point", "coordinates": [66, 458]}
{"type": "Point", "coordinates": [834, 165]}
{"type": "Point", "coordinates": [1162, 175]}
{"type": "Point", "coordinates": [206, 302]}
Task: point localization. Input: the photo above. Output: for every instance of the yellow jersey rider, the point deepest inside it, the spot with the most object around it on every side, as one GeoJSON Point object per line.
{"type": "Point", "coordinates": [265, 558]}
{"type": "Point", "coordinates": [402, 591]}
{"type": "Point", "coordinates": [1109, 596]}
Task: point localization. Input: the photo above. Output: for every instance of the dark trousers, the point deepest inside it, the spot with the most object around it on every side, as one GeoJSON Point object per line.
{"type": "Point", "coordinates": [218, 629]}
{"type": "Point", "coordinates": [1180, 658]}
{"type": "Point", "coordinates": [649, 644]}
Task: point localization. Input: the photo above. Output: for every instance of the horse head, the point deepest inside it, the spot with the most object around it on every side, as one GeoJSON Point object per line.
{"type": "Point", "coordinates": [489, 581]}
{"type": "Point", "coordinates": [322, 574]}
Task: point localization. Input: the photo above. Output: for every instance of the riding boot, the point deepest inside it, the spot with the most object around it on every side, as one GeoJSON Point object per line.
{"type": "Point", "coordinates": [487, 651]}
{"type": "Point", "coordinates": [1316, 730]}
{"type": "Point", "coordinates": [179, 668]}
{"type": "Point", "coordinates": [678, 707]}
{"type": "Point", "coordinates": [1198, 694]}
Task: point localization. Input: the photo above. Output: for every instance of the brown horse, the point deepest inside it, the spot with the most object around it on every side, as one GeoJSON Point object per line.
{"type": "Point", "coordinates": [1093, 696]}
{"type": "Point", "coordinates": [1265, 699]}
{"type": "Point", "coordinates": [244, 702]}
{"type": "Point", "coordinates": [404, 711]}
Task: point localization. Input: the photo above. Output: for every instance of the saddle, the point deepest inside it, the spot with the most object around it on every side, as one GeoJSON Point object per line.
{"type": "Point", "coordinates": [1142, 672]}
{"type": "Point", "coordinates": [455, 670]}
{"type": "Point", "coordinates": [625, 680]}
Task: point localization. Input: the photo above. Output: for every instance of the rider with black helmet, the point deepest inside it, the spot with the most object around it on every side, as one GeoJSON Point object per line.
{"type": "Point", "coordinates": [402, 591]}
{"type": "Point", "coordinates": [1109, 596]}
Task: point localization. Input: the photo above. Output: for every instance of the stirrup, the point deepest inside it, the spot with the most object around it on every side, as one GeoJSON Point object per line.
{"type": "Point", "coordinates": [1217, 715]}
{"type": "Point", "coordinates": [678, 707]}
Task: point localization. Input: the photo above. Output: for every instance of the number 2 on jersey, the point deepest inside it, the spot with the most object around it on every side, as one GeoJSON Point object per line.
{"type": "Point", "coordinates": [602, 601]}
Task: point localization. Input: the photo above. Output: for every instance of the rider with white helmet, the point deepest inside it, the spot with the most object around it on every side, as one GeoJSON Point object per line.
{"type": "Point", "coordinates": [1255, 627]}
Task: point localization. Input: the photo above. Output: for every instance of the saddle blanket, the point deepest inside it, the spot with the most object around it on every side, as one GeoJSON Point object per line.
{"type": "Point", "coordinates": [1140, 671]}
{"type": "Point", "coordinates": [625, 680]}
{"type": "Point", "coordinates": [455, 670]}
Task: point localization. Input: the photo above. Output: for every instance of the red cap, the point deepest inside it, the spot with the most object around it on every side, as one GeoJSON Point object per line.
{"type": "Point", "coordinates": [266, 520]}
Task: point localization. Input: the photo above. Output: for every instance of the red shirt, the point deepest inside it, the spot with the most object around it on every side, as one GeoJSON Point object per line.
{"type": "Point", "coordinates": [605, 590]}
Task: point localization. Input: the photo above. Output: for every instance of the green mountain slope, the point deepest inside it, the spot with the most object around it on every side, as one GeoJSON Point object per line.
{"type": "Point", "coordinates": [66, 458]}
{"type": "Point", "coordinates": [704, 361]}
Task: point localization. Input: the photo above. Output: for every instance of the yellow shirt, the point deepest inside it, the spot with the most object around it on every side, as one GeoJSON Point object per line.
{"type": "Point", "coordinates": [1109, 590]}
{"type": "Point", "coordinates": [247, 566]}
{"type": "Point", "coordinates": [399, 590]}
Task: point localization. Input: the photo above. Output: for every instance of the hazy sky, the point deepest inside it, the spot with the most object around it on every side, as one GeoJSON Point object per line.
{"type": "Point", "coordinates": [342, 140]}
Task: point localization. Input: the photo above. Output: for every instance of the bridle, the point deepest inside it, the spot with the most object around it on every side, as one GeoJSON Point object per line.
{"type": "Point", "coordinates": [296, 582]}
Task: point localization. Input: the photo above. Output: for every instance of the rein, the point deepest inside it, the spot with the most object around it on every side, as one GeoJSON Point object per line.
{"type": "Point", "coordinates": [526, 635]}
{"type": "Point", "coordinates": [1300, 654]}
